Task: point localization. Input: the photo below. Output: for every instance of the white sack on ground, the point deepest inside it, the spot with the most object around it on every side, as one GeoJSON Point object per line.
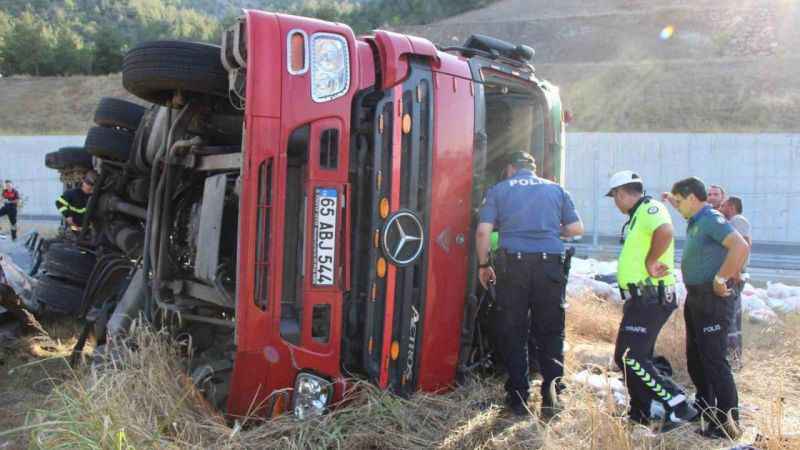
{"type": "Point", "coordinates": [780, 290]}
{"type": "Point", "coordinates": [759, 305]}
{"type": "Point", "coordinates": [602, 384]}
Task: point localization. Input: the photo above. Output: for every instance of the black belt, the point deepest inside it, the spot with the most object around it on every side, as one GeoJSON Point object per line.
{"type": "Point", "coordinates": [634, 291]}
{"type": "Point", "coordinates": [704, 288]}
{"type": "Point", "coordinates": [535, 256]}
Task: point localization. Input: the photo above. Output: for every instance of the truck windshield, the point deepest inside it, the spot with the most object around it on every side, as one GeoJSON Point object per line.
{"type": "Point", "coordinates": [515, 120]}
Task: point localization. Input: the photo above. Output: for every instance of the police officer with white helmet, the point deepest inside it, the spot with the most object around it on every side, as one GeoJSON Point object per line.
{"type": "Point", "coordinates": [647, 283]}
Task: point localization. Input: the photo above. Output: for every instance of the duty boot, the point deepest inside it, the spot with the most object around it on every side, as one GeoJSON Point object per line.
{"type": "Point", "coordinates": [516, 407]}
{"type": "Point", "coordinates": [681, 414]}
{"type": "Point", "coordinates": [729, 429]}
{"type": "Point", "coordinates": [551, 406]}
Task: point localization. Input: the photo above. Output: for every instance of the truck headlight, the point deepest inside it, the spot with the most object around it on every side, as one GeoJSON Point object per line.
{"type": "Point", "coordinates": [311, 395]}
{"type": "Point", "coordinates": [330, 67]}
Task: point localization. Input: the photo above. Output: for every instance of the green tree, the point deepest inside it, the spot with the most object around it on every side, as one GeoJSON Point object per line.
{"type": "Point", "coordinates": [109, 48]}
{"type": "Point", "coordinates": [28, 46]}
{"type": "Point", "coordinates": [70, 55]}
{"type": "Point", "coordinates": [190, 24]}
{"type": "Point", "coordinates": [5, 28]}
{"type": "Point", "coordinates": [90, 36]}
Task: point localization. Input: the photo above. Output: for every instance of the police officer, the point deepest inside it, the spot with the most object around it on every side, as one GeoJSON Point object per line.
{"type": "Point", "coordinates": [647, 285]}
{"type": "Point", "coordinates": [712, 261]}
{"type": "Point", "coordinates": [531, 213]}
{"type": "Point", "coordinates": [10, 204]}
{"type": "Point", "coordinates": [72, 203]}
{"type": "Point", "coordinates": [533, 359]}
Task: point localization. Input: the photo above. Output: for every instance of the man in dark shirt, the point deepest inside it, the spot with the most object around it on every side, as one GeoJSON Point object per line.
{"type": "Point", "coordinates": [72, 203]}
{"type": "Point", "coordinates": [10, 204]}
{"type": "Point", "coordinates": [732, 210]}
{"type": "Point", "coordinates": [712, 260]}
{"type": "Point", "coordinates": [531, 214]}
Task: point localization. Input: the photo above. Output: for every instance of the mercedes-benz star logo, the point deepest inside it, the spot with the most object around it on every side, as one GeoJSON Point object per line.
{"type": "Point", "coordinates": [403, 238]}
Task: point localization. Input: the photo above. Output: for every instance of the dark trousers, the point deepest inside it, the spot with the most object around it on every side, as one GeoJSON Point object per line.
{"type": "Point", "coordinates": [708, 319]}
{"type": "Point", "coordinates": [642, 320]}
{"type": "Point", "coordinates": [10, 210]}
{"type": "Point", "coordinates": [735, 331]}
{"type": "Point", "coordinates": [530, 293]}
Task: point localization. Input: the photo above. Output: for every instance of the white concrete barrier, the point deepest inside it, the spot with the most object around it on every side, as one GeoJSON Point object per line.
{"type": "Point", "coordinates": [763, 169]}
{"type": "Point", "coordinates": [22, 161]}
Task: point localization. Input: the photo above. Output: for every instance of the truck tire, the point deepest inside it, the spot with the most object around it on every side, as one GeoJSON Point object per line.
{"type": "Point", "coordinates": [109, 143]}
{"type": "Point", "coordinates": [68, 157]}
{"type": "Point", "coordinates": [57, 296]}
{"type": "Point", "coordinates": [114, 112]}
{"type": "Point", "coordinates": [68, 263]}
{"type": "Point", "coordinates": [154, 71]}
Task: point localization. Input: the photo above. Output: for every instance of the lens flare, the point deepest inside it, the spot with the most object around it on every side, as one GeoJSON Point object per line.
{"type": "Point", "coordinates": [667, 32]}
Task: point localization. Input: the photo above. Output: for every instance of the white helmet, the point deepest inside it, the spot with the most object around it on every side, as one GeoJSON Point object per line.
{"type": "Point", "coordinates": [622, 178]}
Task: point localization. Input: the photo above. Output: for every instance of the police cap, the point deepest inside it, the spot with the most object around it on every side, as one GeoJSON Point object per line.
{"type": "Point", "coordinates": [521, 159]}
{"type": "Point", "coordinates": [622, 178]}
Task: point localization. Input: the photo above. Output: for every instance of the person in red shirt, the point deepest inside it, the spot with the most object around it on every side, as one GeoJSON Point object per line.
{"type": "Point", "coordinates": [10, 202]}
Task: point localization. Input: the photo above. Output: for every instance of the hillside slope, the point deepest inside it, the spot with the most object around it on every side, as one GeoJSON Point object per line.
{"type": "Point", "coordinates": [728, 66]}
{"type": "Point", "coordinates": [54, 105]}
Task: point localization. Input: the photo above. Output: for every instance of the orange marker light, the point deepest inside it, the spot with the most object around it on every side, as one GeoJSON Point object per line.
{"type": "Point", "coordinates": [383, 209]}
{"type": "Point", "coordinates": [298, 55]}
{"type": "Point", "coordinates": [406, 123]}
{"type": "Point", "coordinates": [381, 268]}
{"type": "Point", "coordinates": [395, 350]}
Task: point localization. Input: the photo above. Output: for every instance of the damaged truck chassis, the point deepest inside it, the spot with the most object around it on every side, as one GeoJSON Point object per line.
{"type": "Point", "coordinates": [298, 205]}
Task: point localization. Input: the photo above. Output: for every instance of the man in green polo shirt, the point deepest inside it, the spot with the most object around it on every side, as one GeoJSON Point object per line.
{"type": "Point", "coordinates": [712, 262]}
{"type": "Point", "coordinates": [646, 281]}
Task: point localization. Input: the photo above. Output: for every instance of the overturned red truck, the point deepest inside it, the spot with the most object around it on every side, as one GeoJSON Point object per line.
{"type": "Point", "coordinates": [299, 203]}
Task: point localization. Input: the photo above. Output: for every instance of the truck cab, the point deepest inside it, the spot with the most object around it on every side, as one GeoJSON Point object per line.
{"type": "Point", "coordinates": [365, 161]}
{"type": "Point", "coordinates": [299, 204]}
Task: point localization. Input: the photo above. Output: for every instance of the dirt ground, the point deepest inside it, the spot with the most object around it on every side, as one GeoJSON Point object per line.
{"type": "Point", "coordinates": [30, 367]}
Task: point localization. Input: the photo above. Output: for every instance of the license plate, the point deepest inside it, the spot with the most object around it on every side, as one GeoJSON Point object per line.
{"type": "Point", "coordinates": [325, 210]}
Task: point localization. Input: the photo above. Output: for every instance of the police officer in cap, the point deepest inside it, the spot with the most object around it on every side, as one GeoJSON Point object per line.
{"type": "Point", "coordinates": [531, 214]}
{"type": "Point", "coordinates": [647, 284]}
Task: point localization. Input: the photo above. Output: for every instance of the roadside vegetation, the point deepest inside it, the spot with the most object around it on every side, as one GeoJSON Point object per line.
{"type": "Point", "coordinates": [70, 37]}
{"type": "Point", "coordinates": [147, 402]}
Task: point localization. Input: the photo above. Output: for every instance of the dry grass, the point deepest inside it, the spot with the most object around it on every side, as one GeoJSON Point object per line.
{"type": "Point", "coordinates": [29, 369]}
{"type": "Point", "coordinates": [54, 105]}
{"type": "Point", "coordinates": [143, 404]}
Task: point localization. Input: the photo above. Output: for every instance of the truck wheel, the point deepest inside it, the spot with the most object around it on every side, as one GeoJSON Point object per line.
{"type": "Point", "coordinates": [115, 112]}
{"type": "Point", "coordinates": [57, 296]}
{"type": "Point", "coordinates": [109, 143]}
{"type": "Point", "coordinates": [213, 380]}
{"type": "Point", "coordinates": [68, 263]}
{"type": "Point", "coordinates": [154, 71]}
{"type": "Point", "coordinates": [68, 157]}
